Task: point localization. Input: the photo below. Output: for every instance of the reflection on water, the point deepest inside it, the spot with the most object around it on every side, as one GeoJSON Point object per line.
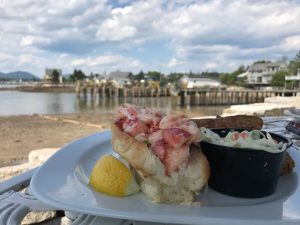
{"type": "Point", "coordinates": [22, 103]}
{"type": "Point", "coordinates": [54, 103]}
{"type": "Point", "coordinates": [108, 105]}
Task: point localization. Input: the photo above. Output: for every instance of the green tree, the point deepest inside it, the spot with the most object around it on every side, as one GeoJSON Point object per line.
{"type": "Point", "coordinates": [261, 61]}
{"type": "Point", "coordinates": [55, 77]}
{"type": "Point", "coordinates": [163, 80]}
{"type": "Point", "coordinates": [140, 76]}
{"type": "Point", "coordinates": [154, 75]}
{"type": "Point", "coordinates": [131, 76]}
{"type": "Point", "coordinates": [278, 78]}
{"type": "Point", "coordinates": [77, 75]}
{"type": "Point", "coordinates": [211, 75]}
{"type": "Point", "coordinates": [231, 78]}
{"type": "Point", "coordinates": [295, 64]}
{"type": "Point", "coordinates": [223, 78]}
{"type": "Point", "coordinates": [174, 77]}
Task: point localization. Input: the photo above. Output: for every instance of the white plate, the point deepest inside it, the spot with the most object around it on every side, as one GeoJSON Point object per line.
{"type": "Point", "coordinates": [62, 182]}
{"type": "Point", "coordinates": [295, 113]}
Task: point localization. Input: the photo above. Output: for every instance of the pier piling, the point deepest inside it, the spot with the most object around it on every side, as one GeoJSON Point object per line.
{"type": "Point", "coordinates": [193, 97]}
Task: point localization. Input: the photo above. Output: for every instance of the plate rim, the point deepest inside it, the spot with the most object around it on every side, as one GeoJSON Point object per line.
{"type": "Point", "coordinates": [69, 207]}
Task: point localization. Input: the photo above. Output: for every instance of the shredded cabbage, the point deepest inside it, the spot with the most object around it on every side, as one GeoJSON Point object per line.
{"type": "Point", "coordinates": [254, 139]}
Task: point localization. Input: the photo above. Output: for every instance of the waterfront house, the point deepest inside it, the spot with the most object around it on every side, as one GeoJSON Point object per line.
{"type": "Point", "coordinates": [197, 81]}
{"type": "Point", "coordinates": [119, 78]}
{"type": "Point", "coordinates": [292, 81]}
{"type": "Point", "coordinates": [48, 77]}
{"type": "Point", "coordinates": [260, 74]}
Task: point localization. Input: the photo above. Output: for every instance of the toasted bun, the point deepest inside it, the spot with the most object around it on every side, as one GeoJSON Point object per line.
{"type": "Point", "coordinates": [180, 187]}
{"type": "Point", "coordinates": [238, 121]}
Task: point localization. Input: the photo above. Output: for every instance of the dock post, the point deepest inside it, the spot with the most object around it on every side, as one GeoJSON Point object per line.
{"type": "Point", "coordinates": [182, 98]}
{"type": "Point", "coordinates": [201, 98]}
{"type": "Point", "coordinates": [92, 92]}
{"type": "Point", "coordinates": [228, 98]}
{"type": "Point", "coordinates": [99, 91]}
{"type": "Point", "coordinates": [192, 98]}
{"type": "Point", "coordinates": [215, 96]}
{"type": "Point", "coordinates": [247, 97]}
{"type": "Point", "coordinates": [231, 98]}
{"type": "Point", "coordinates": [256, 96]}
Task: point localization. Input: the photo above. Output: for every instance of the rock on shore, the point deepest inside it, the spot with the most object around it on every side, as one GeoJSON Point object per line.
{"type": "Point", "coordinates": [35, 158]}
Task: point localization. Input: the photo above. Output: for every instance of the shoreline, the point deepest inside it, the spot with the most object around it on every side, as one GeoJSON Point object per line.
{"type": "Point", "coordinates": [41, 88]}
{"type": "Point", "coordinates": [55, 89]}
{"type": "Point", "coordinates": [20, 134]}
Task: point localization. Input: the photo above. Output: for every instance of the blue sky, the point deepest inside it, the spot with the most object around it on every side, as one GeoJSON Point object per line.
{"type": "Point", "coordinates": [168, 35]}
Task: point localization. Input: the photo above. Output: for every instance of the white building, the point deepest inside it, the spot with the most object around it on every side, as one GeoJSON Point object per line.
{"type": "Point", "coordinates": [262, 73]}
{"type": "Point", "coordinates": [48, 75]}
{"type": "Point", "coordinates": [196, 81]}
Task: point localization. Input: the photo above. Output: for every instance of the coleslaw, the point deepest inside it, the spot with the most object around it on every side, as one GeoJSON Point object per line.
{"type": "Point", "coordinates": [254, 139]}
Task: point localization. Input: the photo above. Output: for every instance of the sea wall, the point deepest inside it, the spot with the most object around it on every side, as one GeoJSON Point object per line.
{"type": "Point", "coordinates": [272, 106]}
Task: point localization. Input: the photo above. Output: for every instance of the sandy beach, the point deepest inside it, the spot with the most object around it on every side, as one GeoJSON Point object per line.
{"type": "Point", "coordinates": [21, 134]}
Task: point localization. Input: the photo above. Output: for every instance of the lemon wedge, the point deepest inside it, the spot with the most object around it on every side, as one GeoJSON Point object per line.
{"type": "Point", "coordinates": [110, 176]}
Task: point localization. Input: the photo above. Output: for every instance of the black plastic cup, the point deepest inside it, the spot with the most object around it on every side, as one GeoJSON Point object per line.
{"type": "Point", "coordinates": [242, 172]}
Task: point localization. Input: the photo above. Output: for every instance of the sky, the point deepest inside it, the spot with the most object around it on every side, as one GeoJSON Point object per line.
{"type": "Point", "coordinates": [102, 36]}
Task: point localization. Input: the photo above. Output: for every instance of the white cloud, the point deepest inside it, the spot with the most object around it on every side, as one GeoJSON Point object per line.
{"type": "Point", "coordinates": [209, 66]}
{"type": "Point", "coordinates": [132, 21]}
{"type": "Point", "coordinates": [108, 63]}
{"type": "Point", "coordinates": [79, 62]}
{"type": "Point", "coordinates": [290, 43]}
{"type": "Point", "coordinates": [100, 35]}
{"type": "Point", "coordinates": [112, 31]}
{"type": "Point", "coordinates": [173, 62]}
{"type": "Point", "coordinates": [25, 59]}
{"type": "Point", "coordinates": [218, 28]}
{"type": "Point", "coordinates": [26, 40]}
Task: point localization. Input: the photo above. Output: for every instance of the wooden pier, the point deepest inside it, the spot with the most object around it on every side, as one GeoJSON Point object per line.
{"type": "Point", "coordinates": [191, 97]}
{"type": "Point", "coordinates": [223, 97]}
{"type": "Point", "coordinates": [110, 92]}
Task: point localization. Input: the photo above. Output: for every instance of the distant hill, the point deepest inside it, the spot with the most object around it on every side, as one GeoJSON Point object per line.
{"type": "Point", "coordinates": [17, 75]}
